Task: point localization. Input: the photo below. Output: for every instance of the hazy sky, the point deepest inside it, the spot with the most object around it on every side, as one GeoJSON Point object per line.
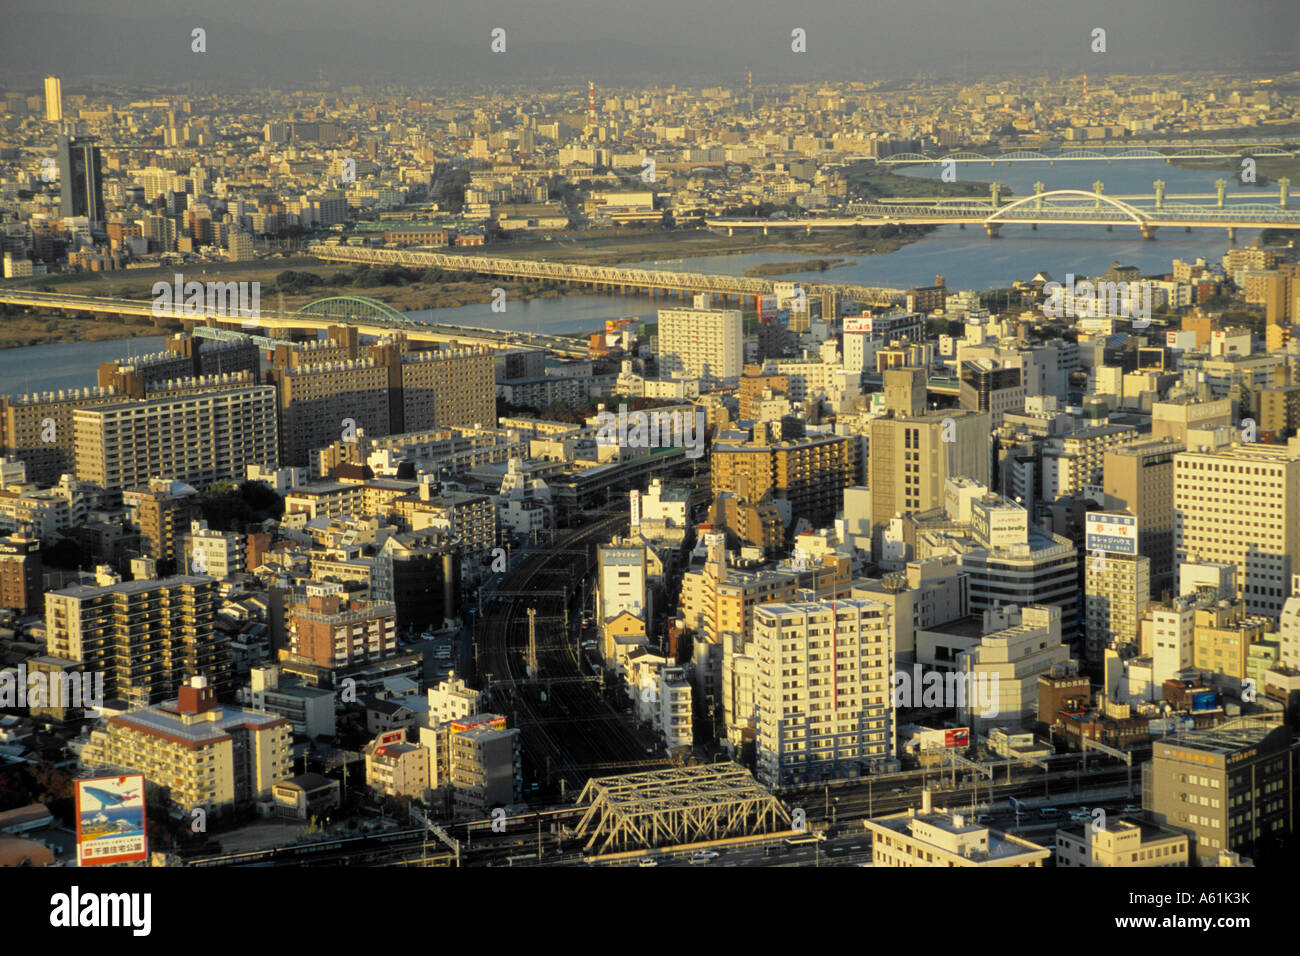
{"type": "Point", "coordinates": [254, 42]}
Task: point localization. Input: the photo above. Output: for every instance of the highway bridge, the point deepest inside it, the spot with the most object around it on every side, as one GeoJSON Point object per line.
{"type": "Point", "coordinates": [1076, 207]}
{"type": "Point", "coordinates": [368, 316]}
{"type": "Point", "coordinates": [613, 279]}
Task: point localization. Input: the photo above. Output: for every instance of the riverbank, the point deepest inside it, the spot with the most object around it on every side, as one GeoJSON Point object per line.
{"type": "Point", "coordinates": [19, 331]}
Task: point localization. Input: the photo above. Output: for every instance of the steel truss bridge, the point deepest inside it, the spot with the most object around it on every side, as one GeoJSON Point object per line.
{"type": "Point", "coordinates": [368, 316]}
{"type": "Point", "coordinates": [1058, 207]}
{"type": "Point", "coordinates": [1165, 151]}
{"type": "Point", "coordinates": [613, 279]}
{"type": "Point", "coordinates": [672, 807]}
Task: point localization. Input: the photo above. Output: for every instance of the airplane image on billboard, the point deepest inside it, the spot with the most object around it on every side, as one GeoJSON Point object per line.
{"type": "Point", "coordinates": [111, 820]}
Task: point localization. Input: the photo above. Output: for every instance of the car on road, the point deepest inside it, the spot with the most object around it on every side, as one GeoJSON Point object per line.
{"type": "Point", "coordinates": [1049, 813]}
{"type": "Point", "coordinates": [705, 856]}
{"type": "Point", "coordinates": [647, 862]}
{"type": "Point", "coordinates": [1131, 808]}
{"type": "Point", "coordinates": [983, 818]}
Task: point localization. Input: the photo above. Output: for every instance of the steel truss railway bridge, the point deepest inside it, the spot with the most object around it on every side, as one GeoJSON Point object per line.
{"type": "Point", "coordinates": [1077, 207]}
{"type": "Point", "coordinates": [611, 279]}
{"type": "Point", "coordinates": [676, 806]}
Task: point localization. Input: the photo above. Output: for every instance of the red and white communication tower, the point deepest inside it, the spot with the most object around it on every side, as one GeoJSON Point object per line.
{"type": "Point", "coordinates": [591, 102]}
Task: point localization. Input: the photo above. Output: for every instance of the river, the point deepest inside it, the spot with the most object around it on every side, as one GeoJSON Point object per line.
{"type": "Point", "coordinates": [965, 258]}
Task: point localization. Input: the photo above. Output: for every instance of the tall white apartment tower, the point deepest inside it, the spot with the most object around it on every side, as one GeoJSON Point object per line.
{"type": "Point", "coordinates": [824, 689]}
{"type": "Point", "coordinates": [53, 100]}
{"type": "Point", "coordinates": [701, 343]}
{"type": "Point", "coordinates": [1241, 504]}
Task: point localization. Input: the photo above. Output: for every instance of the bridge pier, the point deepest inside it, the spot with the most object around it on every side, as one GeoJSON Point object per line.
{"type": "Point", "coordinates": [1148, 232]}
{"type": "Point", "coordinates": [1232, 235]}
{"type": "Point", "coordinates": [731, 231]}
{"type": "Point", "coordinates": [765, 230]}
{"type": "Point", "coordinates": [992, 229]}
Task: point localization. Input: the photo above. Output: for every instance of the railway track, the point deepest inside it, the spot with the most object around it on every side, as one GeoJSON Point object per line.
{"type": "Point", "coordinates": [574, 728]}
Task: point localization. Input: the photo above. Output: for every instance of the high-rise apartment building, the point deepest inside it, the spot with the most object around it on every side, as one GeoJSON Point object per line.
{"type": "Point", "coordinates": [707, 344]}
{"type": "Point", "coordinates": [53, 99]}
{"type": "Point", "coordinates": [196, 438]}
{"type": "Point", "coordinates": [162, 512]}
{"type": "Point", "coordinates": [1240, 504]}
{"type": "Point", "coordinates": [824, 689]}
{"type": "Point", "coordinates": [810, 472]}
{"type": "Point", "coordinates": [448, 387]}
{"type": "Point", "coordinates": [36, 428]}
{"type": "Point", "coordinates": [321, 403]}
{"type": "Point", "coordinates": [146, 637]}
{"type": "Point", "coordinates": [1073, 463]}
{"type": "Point", "coordinates": [331, 393]}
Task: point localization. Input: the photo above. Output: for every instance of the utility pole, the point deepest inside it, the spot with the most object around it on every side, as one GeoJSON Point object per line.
{"type": "Point", "coordinates": [532, 642]}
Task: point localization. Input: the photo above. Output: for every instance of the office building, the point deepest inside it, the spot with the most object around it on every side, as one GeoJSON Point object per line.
{"type": "Point", "coordinates": [20, 574]}
{"type": "Point", "coordinates": [1230, 787]}
{"type": "Point", "coordinates": [310, 711]}
{"type": "Point", "coordinates": [201, 753]}
{"type": "Point", "coordinates": [823, 689]}
{"type": "Point", "coordinates": [1138, 477]}
{"type": "Point", "coordinates": [486, 766]}
{"type": "Point", "coordinates": [53, 100]}
{"type": "Point", "coordinates": [1117, 590]}
{"type": "Point", "coordinates": [1239, 504]}
{"type": "Point", "coordinates": [218, 554]}
{"type": "Point", "coordinates": [930, 838]}
{"type": "Point", "coordinates": [81, 179]}
{"type": "Point", "coordinates": [1121, 842]}
{"type": "Point", "coordinates": [910, 459]}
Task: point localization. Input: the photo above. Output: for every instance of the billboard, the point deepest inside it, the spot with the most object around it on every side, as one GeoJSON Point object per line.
{"type": "Point", "coordinates": [1205, 700]}
{"type": "Point", "coordinates": [766, 308]}
{"type": "Point", "coordinates": [1111, 533]}
{"type": "Point", "coordinates": [110, 820]}
{"type": "Point", "coordinates": [496, 722]}
{"type": "Point", "coordinates": [998, 524]}
{"type": "Point", "coordinates": [391, 737]}
{"type": "Point", "coordinates": [957, 737]}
